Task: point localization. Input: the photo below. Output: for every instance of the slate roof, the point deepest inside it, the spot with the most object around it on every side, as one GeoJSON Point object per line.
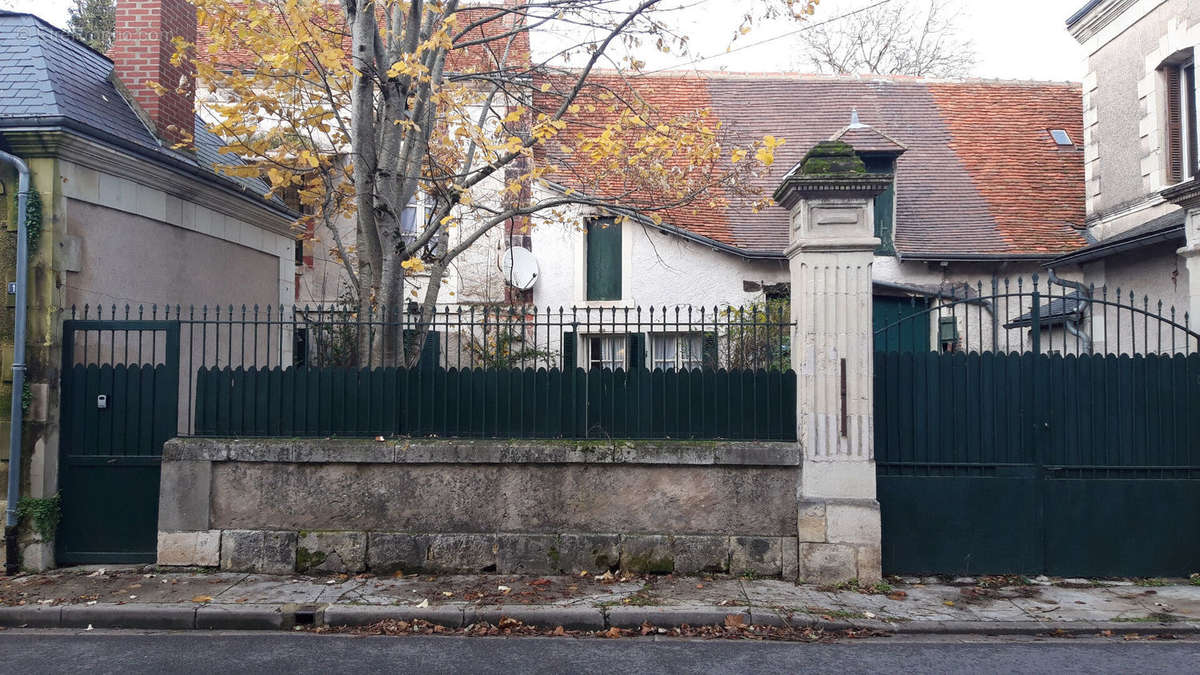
{"type": "Point", "coordinates": [867, 139]}
{"type": "Point", "coordinates": [47, 78]}
{"type": "Point", "coordinates": [980, 178]}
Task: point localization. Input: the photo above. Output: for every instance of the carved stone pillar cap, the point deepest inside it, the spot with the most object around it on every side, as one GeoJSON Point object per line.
{"type": "Point", "coordinates": [830, 169]}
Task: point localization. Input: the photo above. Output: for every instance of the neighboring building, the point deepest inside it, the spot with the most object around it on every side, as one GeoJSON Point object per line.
{"type": "Point", "coordinates": [988, 182]}
{"type": "Point", "coordinates": [126, 218]}
{"type": "Point", "coordinates": [1140, 138]}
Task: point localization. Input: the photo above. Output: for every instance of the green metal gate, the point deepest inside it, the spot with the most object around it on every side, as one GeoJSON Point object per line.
{"type": "Point", "coordinates": [1044, 429]}
{"type": "Point", "coordinates": [120, 388]}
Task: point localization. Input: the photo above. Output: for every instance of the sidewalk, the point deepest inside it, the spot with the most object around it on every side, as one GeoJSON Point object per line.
{"type": "Point", "coordinates": [136, 597]}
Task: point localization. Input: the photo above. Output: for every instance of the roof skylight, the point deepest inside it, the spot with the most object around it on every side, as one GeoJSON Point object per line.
{"type": "Point", "coordinates": [1061, 137]}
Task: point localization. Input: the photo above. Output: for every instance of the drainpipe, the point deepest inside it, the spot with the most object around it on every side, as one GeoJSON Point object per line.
{"type": "Point", "coordinates": [18, 367]}
{"type": "Point", "coordinates": [1085, 301]}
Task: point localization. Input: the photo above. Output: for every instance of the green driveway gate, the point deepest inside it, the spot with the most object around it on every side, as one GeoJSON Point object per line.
{"type": "Point", "coordinates": [120, 387]}
{"type": "Point", "coordinates": [1040, 432]}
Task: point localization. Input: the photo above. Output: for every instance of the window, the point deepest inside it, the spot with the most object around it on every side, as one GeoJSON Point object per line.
{"type": "Point", "coordinates": [1181, 132]}
{"type": "Point", "coordinates": [412, 219]}
{"type": "Point", "coordinates": [603, 260]}
{"type": "Point", "coordinates": [607, 351]}
{"type": "Point", "coordinates": [678, 352]}
{"type": "Point", "coordinates": [884, 203]}
{"type": "Point", "coordinates": [1061, 137]}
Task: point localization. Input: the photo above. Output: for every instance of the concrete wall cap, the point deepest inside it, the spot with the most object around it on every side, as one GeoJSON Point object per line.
{"type": "Point", "coordinates": [498, 451]}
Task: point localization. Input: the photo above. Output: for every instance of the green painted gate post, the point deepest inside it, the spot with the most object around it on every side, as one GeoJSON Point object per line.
{"type": "Point", "coordinates": [832, 245]}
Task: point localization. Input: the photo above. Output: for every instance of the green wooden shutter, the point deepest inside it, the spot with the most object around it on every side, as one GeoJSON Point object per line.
{"type": "Point", "coordinates": [884, 204]}
{"type": "Point", "coordinates": [431, 351]}
{"type": "Point", "coordinates": [570, 351]}
{"type": "Point", "coordinates": [603, 260]}
{"type": "Point", "coordinates": [635, 351]}
{"type": "Point", "coordinates": [710, 354]}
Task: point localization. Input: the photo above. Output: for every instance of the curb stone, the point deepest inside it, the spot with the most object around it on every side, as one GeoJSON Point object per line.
{"type": "Point", "coordinates": [36, 616]}
{"type": "Point", "coordinates": [274, 617]}
{"type": "Point", "coordinates": [359, 615]}
{"type": "Point", "coordinates": [672, 617]}
{"type": "Point", "coordinates": [168, 617]}
{"type": "Point", "coordinates": [223, 617]}
{"type": "Point", "coordinates": [570, 618]}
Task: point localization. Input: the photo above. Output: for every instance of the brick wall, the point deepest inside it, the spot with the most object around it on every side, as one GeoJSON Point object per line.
{"type": "Point", "coordinates": [142, 53]}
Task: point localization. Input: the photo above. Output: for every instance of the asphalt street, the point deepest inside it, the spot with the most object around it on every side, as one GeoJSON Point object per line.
{"type": "Point", "coordinates": [125, 652]}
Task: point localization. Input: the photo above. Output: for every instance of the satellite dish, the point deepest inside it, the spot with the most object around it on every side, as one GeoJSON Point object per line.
{"type": "Point", "coordinates": [520, 268]}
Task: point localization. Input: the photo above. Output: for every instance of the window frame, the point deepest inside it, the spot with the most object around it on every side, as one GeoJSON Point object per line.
{"type": "Point", "coordinates": [695, 360]}
{"type": "Point", "coordinates": [620, 357]}
{"type": "Point", "coordinates": [1184, 140]}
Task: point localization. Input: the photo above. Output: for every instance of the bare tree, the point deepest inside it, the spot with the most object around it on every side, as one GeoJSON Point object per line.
{"type": "Point", "coordinates": [921, 38]}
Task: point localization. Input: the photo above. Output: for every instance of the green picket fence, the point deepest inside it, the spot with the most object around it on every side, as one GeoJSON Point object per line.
{"type": "Point", "coordinates": [497, 403]}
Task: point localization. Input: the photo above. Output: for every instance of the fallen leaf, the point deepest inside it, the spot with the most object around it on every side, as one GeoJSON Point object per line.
{"type": "Point", "coordinates": [868, 615]}
{"type": "Point", "coordinates": [448, 594]}
{"type": "Point", "coordinates": [503, 589]}
{"type": "Point", "coordinates": [398, 574]}
{"type": "Point", "coordinates": [558, 630]}
{"type": "Point", "coordinates": [613, 632]}
{"type": "Point", "coordinates": [583, 573]}
{"type": "Point", "coordinates": [699, 585]}
{"type": "Point", "coordinates": [202, 598]}
{"type": "Point", "coordinates": [423, 603]}
{"type": "Point", "coordinates": [948, 603]}
{"type": "Point", "coordinates": [897, 595]}
{"type": "Point", "coordinates": [734, 620]}
{"type": "Point", "coordinates": [540, 582]}
{"type": "Point", "coordinates": [89, 627]}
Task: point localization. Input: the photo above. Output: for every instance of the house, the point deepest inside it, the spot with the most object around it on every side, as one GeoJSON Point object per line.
{"type": "Point", "coordinates": [987, 183]}
{"type": "Point", "coordinates": [132, 211]}
{"type": "Point", "coordinates": [1140, 148]}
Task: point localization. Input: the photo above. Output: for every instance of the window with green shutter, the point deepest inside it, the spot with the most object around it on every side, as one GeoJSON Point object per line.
{"type": "Point", "coordinates": [884, 204]}
{"type": "Point", "coordinates": [603, 259]}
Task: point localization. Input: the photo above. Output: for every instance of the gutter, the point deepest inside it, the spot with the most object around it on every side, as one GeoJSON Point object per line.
{"type": "Point", "coordinates": [18, 367]}
{"type": "Point", "coordinates": [1104, 250]}
{"type": "Point", "coordinates": [976, 257]}
{"type": "Point", "coordinates": [1082, 12]}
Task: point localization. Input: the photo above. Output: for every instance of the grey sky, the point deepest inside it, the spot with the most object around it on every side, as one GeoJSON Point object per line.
{"type": "Point", "coordinates": [1014, 39]}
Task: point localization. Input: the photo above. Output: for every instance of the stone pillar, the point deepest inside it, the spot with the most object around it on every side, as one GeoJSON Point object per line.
{"type": "Point", "coordinates": [1191, 256]}
{"type": "Point", "coordinates": [830, 195]}
{"type": "Point", "coordinates": [1187, 195]}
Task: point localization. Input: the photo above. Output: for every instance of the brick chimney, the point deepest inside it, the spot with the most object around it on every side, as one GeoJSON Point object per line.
{"type": "Point", "coordinates": [141, 52]}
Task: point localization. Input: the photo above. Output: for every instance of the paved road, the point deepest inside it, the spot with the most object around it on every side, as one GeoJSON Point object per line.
{"type": "Point", "coordinates": [224, 653]}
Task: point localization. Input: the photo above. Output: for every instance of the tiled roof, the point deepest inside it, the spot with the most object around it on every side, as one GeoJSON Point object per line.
{"type": "Point", "coordinates": [49, 78]}
{"type": "Point", "coordinates": [980, 176]}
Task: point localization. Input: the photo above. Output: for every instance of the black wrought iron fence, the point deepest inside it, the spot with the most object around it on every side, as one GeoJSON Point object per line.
{"type": "Point", "coordinates": [659, 372]}
{"type": "Point", "coordinates": [1037, 315]}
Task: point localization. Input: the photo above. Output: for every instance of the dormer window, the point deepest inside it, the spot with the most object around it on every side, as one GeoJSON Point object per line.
{"type": "Point", "coordinates": [1180, 130]}
{"type": "Point", "coordinates": [885, 203]}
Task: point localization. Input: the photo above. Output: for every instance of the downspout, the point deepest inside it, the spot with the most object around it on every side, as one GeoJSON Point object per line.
{"type": "Point", "coordinates": [18, 368]}
{"type": "Point", "coordinates": [1085, 301]}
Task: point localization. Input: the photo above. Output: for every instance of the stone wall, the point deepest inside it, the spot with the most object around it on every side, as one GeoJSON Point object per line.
{"type": "Point", "coordinates": [536, 507]}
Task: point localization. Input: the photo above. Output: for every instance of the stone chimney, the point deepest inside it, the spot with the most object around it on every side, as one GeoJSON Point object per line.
{"type": "Point", "coordinates": [141, 52]}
